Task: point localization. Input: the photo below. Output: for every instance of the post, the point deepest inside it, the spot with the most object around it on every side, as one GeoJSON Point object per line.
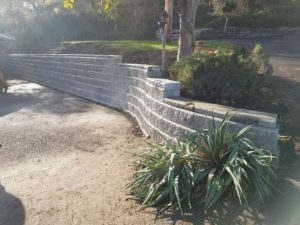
{"type": "Point", "coordinates": [162, 26]}
{"type": "Point", "coordinates": [169, 26]}
{"type": "Point", "coordinates": [163, 58]}
{"type": "Point", "coordinates": [226, 24]}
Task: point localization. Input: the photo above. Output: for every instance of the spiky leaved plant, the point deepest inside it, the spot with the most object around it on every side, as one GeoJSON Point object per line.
{"type": "Point", "coordinates": [203, 168]}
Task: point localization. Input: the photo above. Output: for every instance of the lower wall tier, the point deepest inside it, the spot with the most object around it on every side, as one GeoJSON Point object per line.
{"type": "Point", "coordinates": [139, 90]}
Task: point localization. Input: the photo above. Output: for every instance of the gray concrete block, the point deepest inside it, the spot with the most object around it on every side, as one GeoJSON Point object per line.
{"type": "Point", "coordinates": [138, 90]}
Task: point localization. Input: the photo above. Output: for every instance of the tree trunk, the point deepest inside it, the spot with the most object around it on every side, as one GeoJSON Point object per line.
{"type": "Point", "coordinates": [135, 22]}
{"type": "Point", "coordinates": [35, 8]}
{"type": "Point", "coordinates": [169, 25]}
{"type": "Point", "coordinates": [115, 24]}
{"type": "Point", "coordinates": [187, 13]}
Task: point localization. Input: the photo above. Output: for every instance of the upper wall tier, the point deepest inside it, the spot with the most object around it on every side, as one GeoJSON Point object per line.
{"type": "Point", "coordinates": [139, 90]}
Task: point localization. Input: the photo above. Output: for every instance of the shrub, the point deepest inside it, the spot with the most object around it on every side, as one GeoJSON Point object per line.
{"type": "Point", "coordinates": [222, 75]}
{"type": "Point", "coordinates": [276, 16]}
{"type": "Point", "coordinates": [203, 168]}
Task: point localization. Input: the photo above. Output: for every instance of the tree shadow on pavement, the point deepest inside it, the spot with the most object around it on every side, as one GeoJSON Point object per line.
{"type": "Point", "coordinates": [40, 100]}
{"type": "Point", "coordinates": [12, 211]}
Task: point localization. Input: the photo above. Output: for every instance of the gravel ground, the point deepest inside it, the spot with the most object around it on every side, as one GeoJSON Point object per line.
{"type": "Point", "coordinates": [65, 160]}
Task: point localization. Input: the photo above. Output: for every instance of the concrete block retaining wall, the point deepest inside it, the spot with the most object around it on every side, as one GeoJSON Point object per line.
{"type": "Point", "coordinates": [139, 90]}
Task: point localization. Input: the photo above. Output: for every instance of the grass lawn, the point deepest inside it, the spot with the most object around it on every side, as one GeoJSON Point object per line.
{"type": "Point", "coordinates": [134, 45]}
{"type": "Point", "coordinates": [133, 51]}
{"type": "Point", "coordinates": [137, 45]}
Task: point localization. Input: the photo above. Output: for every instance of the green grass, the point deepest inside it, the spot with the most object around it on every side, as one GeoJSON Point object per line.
{"type": "Point", "coordinates": [129, 44]}
{"type": "Point", "coordinates": [137, 45]}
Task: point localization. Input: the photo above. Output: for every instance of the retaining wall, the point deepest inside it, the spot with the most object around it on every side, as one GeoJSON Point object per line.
{"type": "Point", "coordinates": [139, 90]}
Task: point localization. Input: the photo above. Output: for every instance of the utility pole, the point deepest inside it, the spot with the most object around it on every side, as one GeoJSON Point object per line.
{"type": "Point", "coordinates": [169, 26]}
{"type": "Point", "coordinates": [162, 24]}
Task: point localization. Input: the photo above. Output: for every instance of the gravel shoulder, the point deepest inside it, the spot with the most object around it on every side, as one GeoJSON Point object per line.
{"type": "Point", "coordinates": [65, 160]}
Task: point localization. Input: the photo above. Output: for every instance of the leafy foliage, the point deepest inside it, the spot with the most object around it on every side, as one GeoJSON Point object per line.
{"type": "Point", "coordinates": [269, 17]}
{"type": "Point", "coordinates": [222, 75]}
{"type": "Point", "coordinates": [204, 168]}
{"type": "Point", "coordinates": [108, 7]}
{"type": "Point", "coordinates": [69, 4]}
{"type": "Point", "coordinates": [224, 6]}
{"type": "Point", "coordinates": [229, 6]}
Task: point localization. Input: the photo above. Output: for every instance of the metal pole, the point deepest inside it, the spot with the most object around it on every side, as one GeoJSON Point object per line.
{"type": "Point", "coordinates": [163, 58]}
{"type": "Point", "coordinates": [171, 20]}
{"type": "Point", "coordinates": [169, 28]}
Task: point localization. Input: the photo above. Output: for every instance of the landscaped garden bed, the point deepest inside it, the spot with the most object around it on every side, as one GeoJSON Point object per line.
{"type": "Point", "coordinates": [226, 75]}
{"type": "Point", "coordinates": [251, 85]}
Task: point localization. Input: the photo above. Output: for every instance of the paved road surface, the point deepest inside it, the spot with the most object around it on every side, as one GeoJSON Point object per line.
{"type": "Point", "coordinates": [285, 57]}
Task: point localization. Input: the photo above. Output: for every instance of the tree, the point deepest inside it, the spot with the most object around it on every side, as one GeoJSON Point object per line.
{"type": "Point", "coordinates": [133, 16]}
{"type": "Point", "coordinates": [28, 8]}
{"type": "Point", "coordinates": [14, 13]}
{"type": "Point", "coordinates": [69, 4]}
{"type": "Point", "coordinates": [230, 7]}
{"type": "Point", "coordinates": [140, 16]}
{"type": "Point", "coordinates": [227, 8]}
{"type": "Point", "coordinates": [187, 13]}
{"type": "Point", "coordinates": [187, 10]}
{"type": "Point", "coordinates": [108, 7]}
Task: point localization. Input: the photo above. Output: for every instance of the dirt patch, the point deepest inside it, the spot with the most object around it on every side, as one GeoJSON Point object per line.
{"type": "Point", "coordinates": [152, 57]}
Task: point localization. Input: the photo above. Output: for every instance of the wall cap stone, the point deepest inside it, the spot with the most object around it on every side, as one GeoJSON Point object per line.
{"type": "Point", "coordinates": [152, 70]}
{"type": "Point", "coordinates": [246, 116]}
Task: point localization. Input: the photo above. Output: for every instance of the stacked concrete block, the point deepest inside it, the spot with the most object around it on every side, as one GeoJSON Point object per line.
{"type": "Point", "coordinates": [139, 90]}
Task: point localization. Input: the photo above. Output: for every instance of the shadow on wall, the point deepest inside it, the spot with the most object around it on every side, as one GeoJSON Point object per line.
{"type": "Point", "coordinates": [12, 211]}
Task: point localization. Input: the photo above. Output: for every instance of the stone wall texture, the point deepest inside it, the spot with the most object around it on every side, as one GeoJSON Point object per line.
{"type": "Point", "coordinates": [139, 90]}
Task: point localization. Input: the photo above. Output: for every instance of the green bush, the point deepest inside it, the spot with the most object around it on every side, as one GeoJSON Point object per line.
{"type": "Point", "coordinates": [275, 16]}
{"type": "Point", "coordinates": [222, 75]}
{"type": "Point", "coordinates": [204, 168]}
